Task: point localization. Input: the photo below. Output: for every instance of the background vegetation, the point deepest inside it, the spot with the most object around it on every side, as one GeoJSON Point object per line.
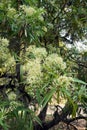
{"type": "Point", "coordinates": [37, 67]}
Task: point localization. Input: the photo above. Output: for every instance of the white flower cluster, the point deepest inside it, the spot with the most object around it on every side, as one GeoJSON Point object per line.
{"type": "Point", "coordinates": [37, 52]}
{"type": "Point", "coordinates": [40, 18]}
{"type": "Point", "coordinates": [40, 52]}
{"type": "Point", "coordinates": [28, 10]}
{"type": "Point", "coordinates": [62, 81]}
{"type": "Point", "coordinates": [10, 63]}
{"type": "Point", "coordinates": [54, 63]}
{"type": "Point", "coordinates": [44, 29]}
{"type": "Point", "coordinates": [4, 42]}
{"type": "Point", "coordinates": [1, 5]}
{"type": "Point", "coordinates": [3, 49]}
{"type": "Point", "coordinates": [33, 70]}
{"type": "Point", "coordinates": [11, 12]}
{"type": "Point", "coordinates": [6, 60]}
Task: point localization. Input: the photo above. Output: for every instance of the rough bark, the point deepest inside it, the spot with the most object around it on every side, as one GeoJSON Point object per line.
{"type": "Point", "coordinates": [58, 117]}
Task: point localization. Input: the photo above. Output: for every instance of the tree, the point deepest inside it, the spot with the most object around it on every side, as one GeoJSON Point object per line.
{"type": "Point", "coordinates": [31, 75]}
{"type": "Point", "coordinates": [66, 20]}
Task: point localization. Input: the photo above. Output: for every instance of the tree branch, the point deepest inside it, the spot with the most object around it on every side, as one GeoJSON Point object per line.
{"type": "Point", "coordinates": [68, 121]}
{"type": "Point", "coordinates": [42, 113]}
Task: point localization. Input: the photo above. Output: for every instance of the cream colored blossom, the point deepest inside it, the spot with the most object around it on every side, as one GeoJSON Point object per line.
{"type": "Point", "coordinates": [44, 29]}
{"type": "Point", "coordinates": [54, 62]}
{"type": "Point", "coordinates": [30, 49]}
{"type": "Point", "coordinates": [37, 52]}
{"type": "Point", "coordinates": [10, 62]}
{"type": "Point", "coordinates": [3, 50]}
{"type": "Point", "coordinates": [40, 52]}
{"type": "Point", "coordinates": [11, 12]}
{"type": "Point", "coordinates": [28, 10]}
{"type": "Point", "coordinates": [62, 81]}
{"type": "Point", "coordinates": [4, 42]}
{"type": "Point", "coordinates": [40, 18]}
{"type": "Point", "coordinates": [33, 70]}
{"type": "Point", "coordinates": [7, 61]}
{"type": "Point", "coordinates": [1, 5]}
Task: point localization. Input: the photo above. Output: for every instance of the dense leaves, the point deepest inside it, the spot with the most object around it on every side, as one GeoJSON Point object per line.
{"type": "Point", "coordinates": [34, 70]}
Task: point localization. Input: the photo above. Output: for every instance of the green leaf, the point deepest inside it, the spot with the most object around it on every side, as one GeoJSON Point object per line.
{"type": "Point", "coordinates": [47, 97]}
{"type": "Point", "coordinates": [69, 97]}
{"type": "Point", "coordinates": [38, 96]}
{"type": "Point", "coordinates": [21, 73]}
{"type": "Point", "coordinates": [31, 125]}
{"type": "Point", "coordinates": [38, 120]}
{"type": "Point", "coordinates": [79, 81]}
